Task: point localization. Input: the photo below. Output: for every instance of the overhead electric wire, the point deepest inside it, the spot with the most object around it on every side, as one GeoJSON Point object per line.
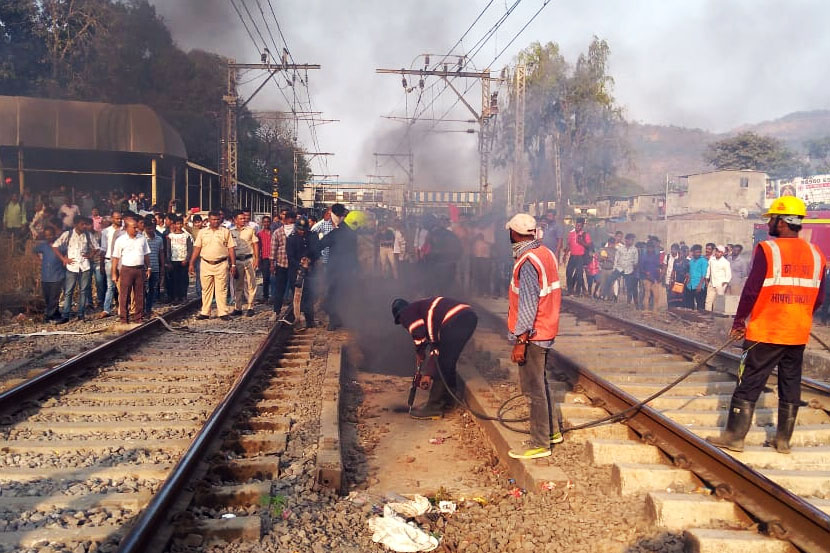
{"type": "Point", "coordinates": [510, 42]}
{"type": "Point", "coordinates": [292, 105]}
{"type": "Point", "coordinates": [476, 48]}
{"type": "Point", "coordinates": [242, 19]}
{"type": "Point", "coordinates": [253, 22]}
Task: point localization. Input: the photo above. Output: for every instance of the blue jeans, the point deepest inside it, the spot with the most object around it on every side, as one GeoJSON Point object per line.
{"type": "Point", "coordinates": [150, 292]}
{"type": "Point", "coordinates": [110, 295]}
{"type": "Point", "coordinates": [100, 283]}
{"type": "Point", "coordinates": [83, 280]}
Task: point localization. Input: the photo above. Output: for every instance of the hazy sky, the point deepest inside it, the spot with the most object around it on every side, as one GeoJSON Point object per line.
{"type": "Point", "coordinates": [711, 64]}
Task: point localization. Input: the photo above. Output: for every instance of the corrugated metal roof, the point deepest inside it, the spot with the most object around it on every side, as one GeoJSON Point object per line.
{"type": "Point", "coordinates": [71, 125]}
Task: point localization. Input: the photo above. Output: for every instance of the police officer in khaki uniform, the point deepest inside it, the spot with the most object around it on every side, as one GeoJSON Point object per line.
{"type": "Point", "coordinates": [247, 262]}
{"type": "Point", "coordinates": [215, 247]}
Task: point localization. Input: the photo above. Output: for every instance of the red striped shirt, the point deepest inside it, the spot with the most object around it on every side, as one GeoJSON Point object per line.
{"type": "Point", "coordinates": [264, 244]}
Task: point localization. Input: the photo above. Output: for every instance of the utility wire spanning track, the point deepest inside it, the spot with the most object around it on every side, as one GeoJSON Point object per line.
{"type": "Point", "coordinates": [680, 435]}
{"type": "Point", "coordinates": [90, 443]}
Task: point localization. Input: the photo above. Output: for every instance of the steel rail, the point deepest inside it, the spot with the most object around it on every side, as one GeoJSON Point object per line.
{"type": "Point", "coordinates": [156, 513]}
{"type": "Point", "coordinates": [673, 340]}
{"type": "Point", "coordinates": [786, 515]}
{"type": "Point", "coordinates": [12, 398]}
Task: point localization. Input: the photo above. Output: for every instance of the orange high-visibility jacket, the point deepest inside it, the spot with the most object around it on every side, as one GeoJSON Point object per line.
{"type": "Point", "coordinates": [783, 310]}
{"type": "Point", "coordinates": [546, 323]}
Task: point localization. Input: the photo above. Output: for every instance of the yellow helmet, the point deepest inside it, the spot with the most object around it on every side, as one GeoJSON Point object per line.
{"type": "Point", "coordinates": [356, 219]}
{"type": "Point", "coordinates": [787, 205]}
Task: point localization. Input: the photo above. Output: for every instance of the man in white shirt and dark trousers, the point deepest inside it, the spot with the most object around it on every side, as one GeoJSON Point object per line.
{"type": "Point", "coordinates": [132, 253]}
{"type": "Point", "coordinates": [75, 248]}
{"type": "Point", "coordinates": [720, 273]}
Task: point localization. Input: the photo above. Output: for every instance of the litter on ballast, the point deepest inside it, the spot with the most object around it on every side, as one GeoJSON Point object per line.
{"type": "Point", "coordinates": [548, 485]}
{"type": "Point", "coordinates": [436, 441]}
{"type": "Point", "coordinates": [229, 515]}
{"type": "Point", "coordinates": [446, 507]}
{"type": "Point", "coordinates": [413, 506]}
{"type": "Point", "coordinates": [395, 533]}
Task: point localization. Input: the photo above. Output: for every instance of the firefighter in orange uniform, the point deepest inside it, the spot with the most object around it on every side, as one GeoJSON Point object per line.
{"type": "Point", "coordinates": [784, 288]}
{"type": "Point", "coordinates": [533, 322]}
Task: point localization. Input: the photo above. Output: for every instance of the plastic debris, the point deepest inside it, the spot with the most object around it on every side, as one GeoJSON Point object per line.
{"type": "Point", "coordinates": [511, 480]}
{"type": "Point", "coordinates": [570, 485]}
{"type": "Point", "coordinates": [229, 515]}
{"type": "Point", "coordinates": [398, 535]}
{"type": "Point", "coordinates": [286, 513]}
{"type": "Point", "coordinates": [413, 506]}
{"type": "Point", "coordinates": [515, 492]}
{"type": "Point", "coordinates": [548, 485]}
{"type": "Point", "coordinates": [446, 507]}
{"type": "Point", "coordinates": [436, 441]}
{"type": "Point", "coordinates": [480, 500]}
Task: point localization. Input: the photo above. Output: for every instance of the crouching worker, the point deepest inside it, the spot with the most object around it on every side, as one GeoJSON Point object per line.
{"type": "Point", "coordinates": [533, 322]}
{"type": "Point", "coordinates": [784, 288]}
{"type": "Point", "coordinates": [443, 326]}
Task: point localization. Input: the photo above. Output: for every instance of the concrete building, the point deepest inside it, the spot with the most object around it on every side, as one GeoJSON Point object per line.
{"type": "Point", "coordinates": [739, 192]}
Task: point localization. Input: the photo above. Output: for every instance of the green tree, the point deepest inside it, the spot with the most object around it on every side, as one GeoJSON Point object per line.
{"type": "Point", "coordinates": [749, 150]}
{"type": "Point", "coordinates": [818, 150]}
{"type": "Point", "coordinates": [276, 149]}
{"type": "Point", "coordinates": [574, 104]}
{"type": "Point", "coordinates": [120, 51]}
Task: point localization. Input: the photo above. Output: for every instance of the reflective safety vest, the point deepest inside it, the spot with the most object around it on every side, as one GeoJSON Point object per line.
{"type": "Point", "coordinates": [783, 310]}
{"type": "Point", "coordinates": [546, 323]}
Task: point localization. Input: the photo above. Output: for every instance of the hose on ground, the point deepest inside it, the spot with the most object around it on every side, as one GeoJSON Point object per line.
{"type": "Point", "coordinates": [614, 417]}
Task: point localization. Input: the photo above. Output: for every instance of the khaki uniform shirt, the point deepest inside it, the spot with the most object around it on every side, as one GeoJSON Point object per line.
{"type": "Point", "coordinates": [245, 239]}
{"type": "Point", "coordinates": [214, 243]}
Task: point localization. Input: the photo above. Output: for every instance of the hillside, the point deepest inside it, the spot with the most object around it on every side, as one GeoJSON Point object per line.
{"type": "Point", "coordinates": [657, 150]}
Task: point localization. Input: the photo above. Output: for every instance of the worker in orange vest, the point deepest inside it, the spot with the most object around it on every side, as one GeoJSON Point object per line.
{"type": "Point", "coordinates": [784, 288]}
{"type": "Point", "coordinates": [535, 297]}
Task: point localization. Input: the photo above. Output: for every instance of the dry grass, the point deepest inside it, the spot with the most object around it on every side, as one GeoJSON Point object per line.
{"type": "Point", "coordinates": [19, 275]}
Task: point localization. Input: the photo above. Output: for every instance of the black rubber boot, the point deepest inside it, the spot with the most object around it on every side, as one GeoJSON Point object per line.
{"type": "Point", "coordinates": [439, 400]}
{"type": "Point", "coordinates": [787, 413]}
{"type": "Point", "coordinates": [737, 425]}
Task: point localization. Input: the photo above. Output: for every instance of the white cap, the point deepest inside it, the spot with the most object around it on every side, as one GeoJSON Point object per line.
{"type": "Point", "coordinates": [721, 249]}
{"type": "Point", "coordinates": [523, 223]}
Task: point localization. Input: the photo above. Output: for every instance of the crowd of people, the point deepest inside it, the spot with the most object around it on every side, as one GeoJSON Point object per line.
{"type": "Point", "coordinates": [609, 267]}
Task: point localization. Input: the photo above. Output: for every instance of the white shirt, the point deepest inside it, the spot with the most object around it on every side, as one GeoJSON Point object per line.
{"type": "Point", "coordinates": [131, 251]}
{"type": "Point", "coordinates": [77, 245]}
{"type": "Point", "coordinates": [399, 246]}
{"type": "Point", "coordinates": [108, 237]}
{"type": "Point", "coordinates": [288, 229]}
{"type": "Point", "coordinates": [720, 271]}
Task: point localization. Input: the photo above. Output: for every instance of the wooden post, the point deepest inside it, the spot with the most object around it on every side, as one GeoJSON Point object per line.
{"type": "Point", "coordinates": [21, 176]}
{"type": "Point", "coordinates": [173, 185]}
{"type": "Point", "coordinates": [186, 188]}
{"type": "Point", "coordinates": [201, 193]}
{"type": "Point", "coordinates": [210, 193]}
{"type": "Point", "coordinates": [154, 182]}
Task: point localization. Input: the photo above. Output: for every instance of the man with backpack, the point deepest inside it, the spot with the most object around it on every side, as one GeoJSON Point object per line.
{"type": "Point", "coordinates": [75, 248]}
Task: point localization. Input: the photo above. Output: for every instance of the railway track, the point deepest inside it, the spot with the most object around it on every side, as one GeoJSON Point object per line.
{"type": "Point", "coordinates": [758, 500]}
{"type": "Point", "coordinates": [108, 441]}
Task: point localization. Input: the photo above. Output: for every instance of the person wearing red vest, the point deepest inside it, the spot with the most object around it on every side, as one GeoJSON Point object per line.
{"type": "Point", "coordinates": [784, 288]}
{"type": "Point", "coordinates": [445, 325]}
{"type": "Point", "coordinates": [535, 297]}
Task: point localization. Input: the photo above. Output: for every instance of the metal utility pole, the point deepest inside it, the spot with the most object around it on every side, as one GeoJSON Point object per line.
{"type": "Point", "coordinates": [519, 187]}
{"type": "Point", "coordinates": [409, 169]}
{"type": "Point", "coordinates": [229, 159]}
{"type": "Point", "coordinates": [489, 109]}
{"type": "Point", "coordinates": [557, 173]}
{"type": "Point", "coordinates": [310, 155]}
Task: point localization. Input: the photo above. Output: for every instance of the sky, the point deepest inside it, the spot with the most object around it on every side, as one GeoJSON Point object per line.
{"type": "Point", "coordinates": [706, 64]}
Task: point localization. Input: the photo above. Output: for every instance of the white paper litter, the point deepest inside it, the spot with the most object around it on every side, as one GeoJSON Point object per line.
{"type": "Point", "coordinates": [446, 507]}
{"type": "Point", "coordinates": [393, 532]}
{"type": "Point", "coordinates": [415, 506]}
